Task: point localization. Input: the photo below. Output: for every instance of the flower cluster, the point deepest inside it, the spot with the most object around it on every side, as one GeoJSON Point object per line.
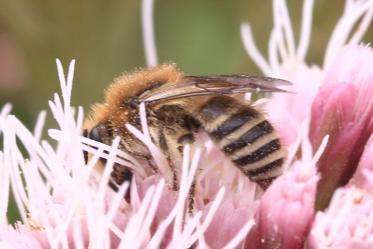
{"type": "Point", "coordinates": [323, 199]}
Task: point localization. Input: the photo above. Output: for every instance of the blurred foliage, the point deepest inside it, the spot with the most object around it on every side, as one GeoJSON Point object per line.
{"type": "Point", "coordinates": [105, 38]}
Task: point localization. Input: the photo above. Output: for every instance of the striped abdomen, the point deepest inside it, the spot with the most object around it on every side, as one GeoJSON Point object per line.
{"type": "Point", "coordinates": [245, 136]}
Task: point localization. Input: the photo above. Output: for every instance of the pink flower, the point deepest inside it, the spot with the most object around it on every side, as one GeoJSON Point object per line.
{"type": "Point", "coordinates": [291, 112]}
{"type": "Point", "coordinates": [233, 213]}
{"type": "Point", "coordinates": [363, 177]}
{"type": "Point", "coordinates": [343, 109]}
{"type": "Point", "coordinates": [286, 209]}
{"type": "Point", "coordinates": [288, 113]}
{"type": "Point", "coordinates": [13, 238]}
{"type": "Point", "coordinates": [68, 204]}
{"type": "Point", "coordinates": [347, 222]}
{"type": "Point", "coordinates": [64, 202]}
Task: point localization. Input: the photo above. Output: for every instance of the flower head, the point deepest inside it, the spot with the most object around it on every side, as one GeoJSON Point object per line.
{"type": "Point", "coordinates": [64, 202]}
{"type": "Point", "coordinates": [11, 238]}
{"type": "Point", "coordinates": [343, 109]}
{"type": "Point", "coordinates": [347, 223]}
{"type": "Point", "coordinates": [286, 209]}
{"type": "Point", "coordinates": [363, 177]}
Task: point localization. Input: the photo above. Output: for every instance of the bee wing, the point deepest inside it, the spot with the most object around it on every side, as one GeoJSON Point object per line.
{"type": "Point", "coordinates": [213, 85]}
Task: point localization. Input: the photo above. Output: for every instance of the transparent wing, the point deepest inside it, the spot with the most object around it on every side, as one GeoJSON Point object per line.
{"type": "Point", "coordinates": [191, 86]}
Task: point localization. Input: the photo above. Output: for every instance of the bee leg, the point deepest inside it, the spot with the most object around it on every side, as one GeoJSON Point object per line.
{"type": "Point", "coordinates": [188, 138]}
{"type": "Point", "coordinates": [175, 184]}
{"type": "Point", "coordinates": [119, 175]}
{"type": "Point", "coordinates": [172, 142]}
{"type": "Point", "coordinates": [152, 166]}
{"type": "Point", "coordinates": [191, 197]}
{"type": "Point", "coordinates": [164, 139]}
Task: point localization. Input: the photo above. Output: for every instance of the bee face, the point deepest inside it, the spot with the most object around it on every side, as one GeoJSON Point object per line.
{"type": "Point", "coordinates": [108, 120]}
{"type": "Point", "coordinates": [177, 106]}
{"type": "Point", "coordinates": [115, 126]}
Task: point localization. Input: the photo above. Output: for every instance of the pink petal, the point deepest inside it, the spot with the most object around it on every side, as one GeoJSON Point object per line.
{"type": "Point", "coordinates": [347, 223]}
{"type": "Point", "coordinates": [18, 239]}
{"type": "Point", "coordinates": [286, 210]}
{"type": "Point", "coordinates": [288, 111]}
{"type": "Point", "coordinates": [228, 221]}
{"type": "Point", "coordinates": [343, 109]}
{"type": "Point", "coordinates": [363, 177]}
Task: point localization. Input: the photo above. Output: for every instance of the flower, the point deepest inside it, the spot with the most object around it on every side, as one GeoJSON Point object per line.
{"type": "Point", "coordinates": [284, 219]}
{"type": "Point", "coordinates": [347, 223]}
{"type": "Point", "coordinates": [286, 209]}
{"type": "Point", "coordinates": [363, 177]}
{"type": "Point", "coordinates": [343, 109]}
{"type": "Point", "coordinates": [65, 203]}
{"type": "Point", "coordinates": [317, 94]}
{"type": "Point", "coordinates": [10, 238]}
{"type": "Point", "coordinates": [287, 60]}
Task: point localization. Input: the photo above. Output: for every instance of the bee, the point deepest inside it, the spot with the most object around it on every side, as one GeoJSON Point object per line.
{"type": "Point", "coordinates": [177, 106]}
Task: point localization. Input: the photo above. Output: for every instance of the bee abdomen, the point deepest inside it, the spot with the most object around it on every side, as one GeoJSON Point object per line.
{"type": "Point", "coordinates": [233, 123]}
{"type": "Point", "coordinates": [245, 136]}
{"type": "Point", "coordinates": [249, 136]}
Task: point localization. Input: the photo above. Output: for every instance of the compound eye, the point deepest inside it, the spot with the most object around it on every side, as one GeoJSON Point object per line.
{"type": "Point", "coordinates": [95, 133]}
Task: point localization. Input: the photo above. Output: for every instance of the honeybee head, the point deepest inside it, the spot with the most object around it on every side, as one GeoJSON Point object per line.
{"type": "Point", "coordinates": [105, 131]}
{"type": "Point", "coordinates": [108, 120]}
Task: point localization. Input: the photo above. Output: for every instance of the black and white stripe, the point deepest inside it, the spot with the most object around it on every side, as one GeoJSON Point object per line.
{"type": "Point", "coordinates": [245, 136]}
